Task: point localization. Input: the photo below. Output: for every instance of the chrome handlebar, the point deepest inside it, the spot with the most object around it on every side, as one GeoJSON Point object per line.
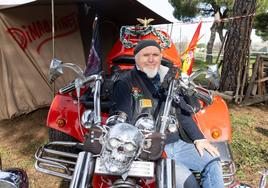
{"type": "Point", "coordinates": [187, 86]}
{"type": "Point", "coordinates": [79, 83]}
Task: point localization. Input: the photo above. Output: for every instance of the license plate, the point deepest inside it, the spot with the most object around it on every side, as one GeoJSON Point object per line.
{"type": "Point", "coordinates": [137, 169]}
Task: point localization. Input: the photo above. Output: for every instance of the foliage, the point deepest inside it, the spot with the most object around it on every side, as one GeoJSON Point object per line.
{"type": "Point", "coordinates": [187, 10]}
{"type": "Point", "coordinates": [261, 25]}
{"type": "Point", "coordinates": [184, 10]}
{"type": "Point", "coordinates": [262, 6]}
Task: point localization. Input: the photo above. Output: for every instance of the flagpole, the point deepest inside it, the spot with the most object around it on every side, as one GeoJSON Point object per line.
{"type": "Point", "coordinates": [94, 29]}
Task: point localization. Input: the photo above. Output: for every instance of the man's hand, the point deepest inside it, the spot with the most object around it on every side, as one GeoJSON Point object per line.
{"type": "Point", "coordinates": [204, 144]}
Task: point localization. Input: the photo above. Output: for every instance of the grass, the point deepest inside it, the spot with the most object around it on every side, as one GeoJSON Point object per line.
{"type": "Point", "coordinates": [249, 148]}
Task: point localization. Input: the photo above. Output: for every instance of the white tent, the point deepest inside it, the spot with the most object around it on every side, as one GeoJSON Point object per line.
{"type": "Point", "coordinates": [27, 47]}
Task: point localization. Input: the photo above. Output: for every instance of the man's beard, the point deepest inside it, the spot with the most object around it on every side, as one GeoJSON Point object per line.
{"type": "Point", "coordinates": [151, 73]}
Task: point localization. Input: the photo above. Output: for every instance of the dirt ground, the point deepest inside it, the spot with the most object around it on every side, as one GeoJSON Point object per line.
{"type": "Point", "coordinates": [20, 138]}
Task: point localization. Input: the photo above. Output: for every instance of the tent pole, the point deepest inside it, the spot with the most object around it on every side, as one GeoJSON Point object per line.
{"type": "Point", "coordinates": [53, 28]}
{"type": "Point", "coordinates": [53, 38]}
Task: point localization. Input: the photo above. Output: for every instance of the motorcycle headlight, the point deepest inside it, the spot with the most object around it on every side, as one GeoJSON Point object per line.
{"type": "Point", "coordinates": [145, 122]}
{"type": "Point", "coordinates": [173, 124]}
{"type": "Point", "coordinates": [119, 117]}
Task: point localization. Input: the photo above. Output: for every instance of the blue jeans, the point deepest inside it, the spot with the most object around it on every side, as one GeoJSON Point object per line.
{"type": "Point", "coordinates": [187, 158]}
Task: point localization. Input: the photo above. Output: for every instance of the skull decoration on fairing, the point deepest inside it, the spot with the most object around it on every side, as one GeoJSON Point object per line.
{"type": "Point", "coordinates": [122, 144]}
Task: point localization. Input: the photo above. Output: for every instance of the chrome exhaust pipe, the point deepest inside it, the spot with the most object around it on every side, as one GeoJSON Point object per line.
{"type": "Point", "coordinates": [166, 174]}
{"type": "Point", "coordinates": [83, 171]}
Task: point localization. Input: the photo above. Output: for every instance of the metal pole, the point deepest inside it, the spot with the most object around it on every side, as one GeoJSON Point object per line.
{"type": "Point", "coordinates": [53, 28]}
{"type": "Point", "coordinates": [166, 173]}
{"type": "Point", "coordinates": [53, 38]}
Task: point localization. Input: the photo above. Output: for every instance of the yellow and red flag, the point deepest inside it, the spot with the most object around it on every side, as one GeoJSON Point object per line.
{"type": "Point", "coordinates": [188, 54]}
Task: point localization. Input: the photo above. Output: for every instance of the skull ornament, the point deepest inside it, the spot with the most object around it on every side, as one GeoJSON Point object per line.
{"type": "Point", "coordinates": [121, 146]}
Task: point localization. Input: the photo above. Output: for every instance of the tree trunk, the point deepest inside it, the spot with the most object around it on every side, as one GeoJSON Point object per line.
{"type": "Point", "coordinates": [216, 27]}
{"type": "Point", "coordinates": [237, 45]}
{"type": "Point", "coordinates": [210, 44]}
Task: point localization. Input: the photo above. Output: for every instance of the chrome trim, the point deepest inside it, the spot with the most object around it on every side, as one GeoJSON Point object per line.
{"type": "Point", "coordinates": [71, 86]}
{"type": "Point", "coordinates": [97, 108]}
{"type": "Point", "coordinates": [229, 171]}
{"type": "Point", "coordinates": [128, 183]}
{"type": "Point", "coordinates": [168, 102]}
{"type": "Point", "coordinates": [166, 174]}
{"type": "Point", "coordinates": [227, 163]}
{"type": "Point", "coordinates": [224, 149]}
{"type": "Point", "coordinates": [84, 167]}
{"type": "Point", "coordinates": [228, 166]}
{"type": "Point", "coordinates": [54, 162]}
{"type": "Point", "coordinates": [137, 169]}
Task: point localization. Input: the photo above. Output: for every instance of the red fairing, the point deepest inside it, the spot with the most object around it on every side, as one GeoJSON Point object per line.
{"type": "Point", "coordinates": [215, 117]}
{"type": "Point", "coordinates": [65, 107]}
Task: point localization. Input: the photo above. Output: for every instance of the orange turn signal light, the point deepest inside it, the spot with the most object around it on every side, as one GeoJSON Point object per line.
{"type": "Point", "coordinates": [164, 155]}
{"type": "Point", "coordinates": [216, 133]}
{"type": "Point", "coordinates": [61, 122]}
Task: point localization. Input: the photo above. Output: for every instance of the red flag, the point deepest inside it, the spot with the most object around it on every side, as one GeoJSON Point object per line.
{"type": "Point", "coordinates": [188, 54]}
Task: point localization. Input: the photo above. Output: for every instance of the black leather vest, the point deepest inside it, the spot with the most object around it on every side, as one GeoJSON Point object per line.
{"type": "Point", "coordinates": [144, 99]}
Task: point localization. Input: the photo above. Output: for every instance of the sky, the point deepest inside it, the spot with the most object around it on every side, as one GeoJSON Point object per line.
{"type": "Point", "coordinates": [182, 31]}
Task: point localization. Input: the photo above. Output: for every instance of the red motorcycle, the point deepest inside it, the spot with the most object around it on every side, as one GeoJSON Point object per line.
{"type": "Point", "coordinates": [91, 149]}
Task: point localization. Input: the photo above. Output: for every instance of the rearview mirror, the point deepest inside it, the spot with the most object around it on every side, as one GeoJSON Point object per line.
{"type": "Point", "coordinates": [55, 70]}
{"type": "Point", "coordinates": [213, 75]}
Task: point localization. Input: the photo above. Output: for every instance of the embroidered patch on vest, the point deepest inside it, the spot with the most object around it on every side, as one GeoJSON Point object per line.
{"type": "Point", "coordinates": [136, 92]}
{"type": "Point", "coordinates": [146, 103]}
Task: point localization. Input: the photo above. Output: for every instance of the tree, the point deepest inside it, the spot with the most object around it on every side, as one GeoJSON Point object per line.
{"type": "Point", "coordinates": [261, 25]}
{"type": "Point", "coordinates": [237, 45]}
{"type": "Point", "coordinates": [186, 10]}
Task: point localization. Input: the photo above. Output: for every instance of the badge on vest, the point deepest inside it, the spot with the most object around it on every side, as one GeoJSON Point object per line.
{"type": "Point", "coordinates": [136, 92]}
{"type": "Point", "coordinates": [146, 103]}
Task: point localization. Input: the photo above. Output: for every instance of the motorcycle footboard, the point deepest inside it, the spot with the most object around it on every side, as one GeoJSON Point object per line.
{"type": "Point", "coordinates": [60, 163]}
{"type": "Point", "coordinates": [228, 169]}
